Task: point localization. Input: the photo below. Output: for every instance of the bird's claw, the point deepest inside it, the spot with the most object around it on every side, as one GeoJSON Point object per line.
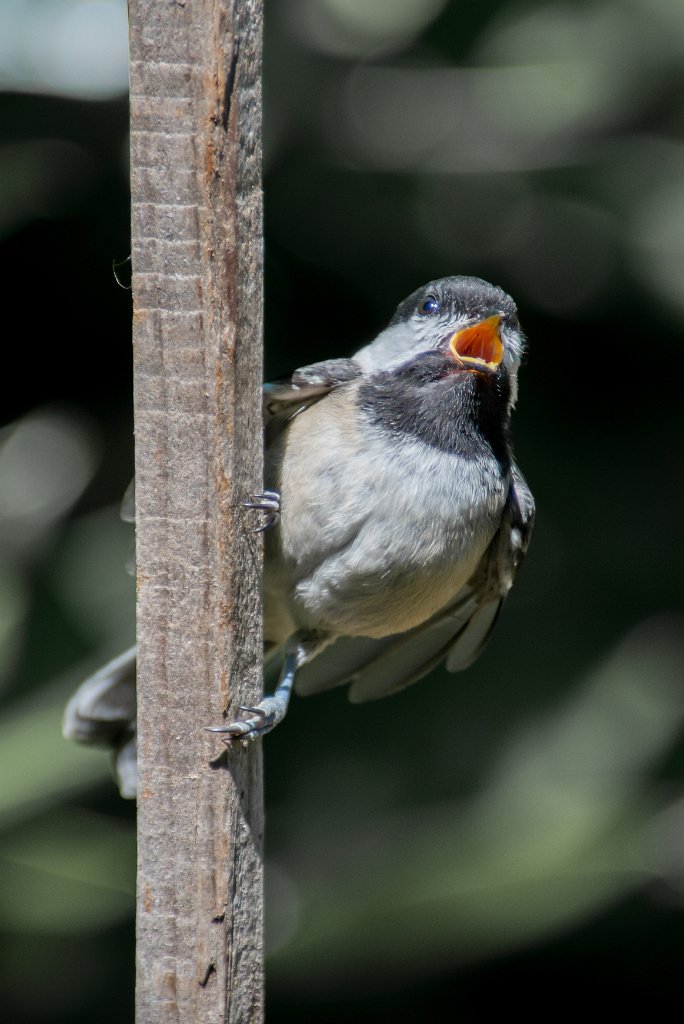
{"type": "Point", "coordinates": [253, 711]}
{"type": "Point", "coordinates": [267, 502]}
{"type": "Point", "coordinates": [265, 715]}
{"type": "Point", "coordinates": [263, 718]}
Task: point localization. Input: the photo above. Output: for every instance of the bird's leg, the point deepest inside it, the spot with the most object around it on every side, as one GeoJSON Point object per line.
{"type": "Point", "coordinates": [267, 502]}
{"type": "Point", "coordinates": [270, 711]}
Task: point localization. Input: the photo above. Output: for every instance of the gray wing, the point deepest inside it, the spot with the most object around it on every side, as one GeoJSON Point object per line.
{"type": "Point", "coordinates": [376, 668]}
{"type": "Point", "coordinates": [307, 385]}
{"type": "Point", "coordinates": [285, 399]}
{"type": "Point", "coordinates": [496, 572]}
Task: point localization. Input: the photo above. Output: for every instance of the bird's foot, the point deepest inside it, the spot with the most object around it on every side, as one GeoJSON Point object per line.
{"type": "Point", "coordinates": [267, 502]}
{"type": "Point", "coordinates": [263, 717]}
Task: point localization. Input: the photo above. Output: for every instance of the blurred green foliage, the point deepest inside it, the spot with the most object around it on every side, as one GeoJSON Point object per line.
{"type": "Point", "coordinates": [495, 840]}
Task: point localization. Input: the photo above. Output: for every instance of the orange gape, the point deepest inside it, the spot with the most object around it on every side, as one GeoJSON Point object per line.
{"type": "Point", "coordinates": [479, 345]}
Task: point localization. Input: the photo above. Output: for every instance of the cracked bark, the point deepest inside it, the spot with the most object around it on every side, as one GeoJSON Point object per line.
{"type": "Point", "coordinates": [197, 280]}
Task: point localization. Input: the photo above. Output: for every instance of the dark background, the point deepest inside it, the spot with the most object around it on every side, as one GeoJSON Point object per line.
{"type": "Point", "coordinates": [508, 839]}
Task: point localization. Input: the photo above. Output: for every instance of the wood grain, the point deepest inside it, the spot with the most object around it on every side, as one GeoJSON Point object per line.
{"type": "Point", "coordinates": [197, 287]}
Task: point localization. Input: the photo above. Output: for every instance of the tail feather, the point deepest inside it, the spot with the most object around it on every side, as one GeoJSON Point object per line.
{"type": "Point", "coordinates": [102, 712]}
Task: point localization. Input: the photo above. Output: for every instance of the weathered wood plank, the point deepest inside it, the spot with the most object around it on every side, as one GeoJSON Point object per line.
{"type": "Point", "coordinates": [197, 288]}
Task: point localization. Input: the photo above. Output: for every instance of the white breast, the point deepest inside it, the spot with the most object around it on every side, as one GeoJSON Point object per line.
{"type": "Point", "coordinates": [378, 531]}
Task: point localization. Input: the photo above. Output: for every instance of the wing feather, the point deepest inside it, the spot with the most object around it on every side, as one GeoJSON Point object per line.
{"type": "Point", "coordinates": [495, 575]}
{"type": "Point", "coordinates": [379, 667]}
{"type": "Point", "coordinates": [307, 385]}
{"type": "Point", "coordinates": [376, 668]}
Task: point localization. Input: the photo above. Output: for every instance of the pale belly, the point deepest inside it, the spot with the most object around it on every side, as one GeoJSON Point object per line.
{"type": "Point", "coordinates": [352, 604]}
{"type": "Point", "coordinates": [373, 541]}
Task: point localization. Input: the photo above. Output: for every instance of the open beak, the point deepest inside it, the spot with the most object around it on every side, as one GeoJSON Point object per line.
{"type": "Point", "coordinates": [479, 347]}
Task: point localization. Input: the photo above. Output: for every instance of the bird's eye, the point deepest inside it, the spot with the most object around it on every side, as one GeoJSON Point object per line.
{"type": "Point", "coordinates": [431, 305]}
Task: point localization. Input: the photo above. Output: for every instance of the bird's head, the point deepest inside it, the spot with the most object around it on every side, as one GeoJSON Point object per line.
{"type": "Point", "coordinates": [472, 324]}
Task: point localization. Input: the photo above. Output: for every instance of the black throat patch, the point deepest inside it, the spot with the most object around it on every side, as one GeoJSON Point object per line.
{"type": "Point", "coordinates": [456, 411]}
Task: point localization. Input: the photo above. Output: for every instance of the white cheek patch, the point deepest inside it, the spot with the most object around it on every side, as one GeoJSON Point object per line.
{"type": "Point", "coordinates": [396, 345]}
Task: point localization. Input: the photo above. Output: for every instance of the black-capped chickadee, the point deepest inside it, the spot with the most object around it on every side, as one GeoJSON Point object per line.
{"type": "Point", "coordinates": [395, 516]}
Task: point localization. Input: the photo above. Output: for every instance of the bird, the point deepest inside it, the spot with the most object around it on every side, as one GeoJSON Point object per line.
{"type": "Point", "coordinates": [395, 516]}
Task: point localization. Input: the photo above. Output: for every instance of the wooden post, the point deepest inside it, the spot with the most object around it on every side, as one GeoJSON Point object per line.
{"type": "Point", "coordinates": [197, 289]}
